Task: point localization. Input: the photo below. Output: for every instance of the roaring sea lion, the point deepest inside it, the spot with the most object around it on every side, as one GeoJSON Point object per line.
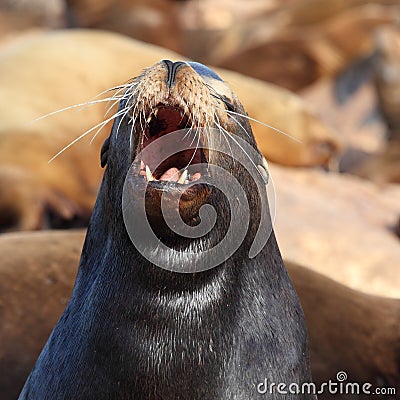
{"type": "Point", "coordinates": [152, 315]}
{"type": "Point", "coordinates": [73, 67]}
{"type": "Point", "coordinates": [348, 330]}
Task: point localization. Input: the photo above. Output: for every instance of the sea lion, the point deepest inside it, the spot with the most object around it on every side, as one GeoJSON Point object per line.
{"type": "Point", "coordinates": [319, 214]}
{"type": "Point", "coordinates": [132, 330]}
{"type": "Point", "coordinates": [36, 279]}
{"type": "Point", "coordinates": [313, 142]}
{"type": "Point", "coordinates": [153, 21]}
{"type": "Point", "coordinates": [384, 166]}
{"type": "Point", "coordinates": [301, 42]}
{"type": "Point", "coordinates": [348, 329]}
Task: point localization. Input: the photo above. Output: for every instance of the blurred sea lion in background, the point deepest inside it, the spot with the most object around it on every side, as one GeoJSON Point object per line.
{"type": "Point", "coordinates": [37, 272]}
{"type": "Point", "coordinates": [152, 21]}
{"type": "Point", "coordinates": [65, 68]}
{"type": "Point", "coordinates": [17, 15]}
{"type": "Point", "coordinates": [72, 67]}
{"type": "Point", "coordinates": [339, 225]}
{"type": "Point", "coordinates": [300, 43]}
{"type": "Point", "coordinates": [349, 330]}
{"type": "Point", "coordinates": [385, 166]}
{"type": "Point", "coordinates": [313, 143]}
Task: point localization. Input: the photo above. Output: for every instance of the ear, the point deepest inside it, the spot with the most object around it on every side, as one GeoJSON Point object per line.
{"type": "Point", "coordinates": [104, 152]}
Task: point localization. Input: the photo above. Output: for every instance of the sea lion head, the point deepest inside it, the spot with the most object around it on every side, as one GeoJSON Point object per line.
{"type": "Point", "coordinates": [181, 140]}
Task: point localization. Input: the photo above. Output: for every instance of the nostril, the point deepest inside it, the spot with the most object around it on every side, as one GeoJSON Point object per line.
{"type": "Point", "coordinates": [172, 68]}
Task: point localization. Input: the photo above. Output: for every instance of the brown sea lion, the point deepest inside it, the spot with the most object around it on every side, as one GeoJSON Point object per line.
{"type": "Point", "coordinates": [303, 42]}
{"type": "Point", "coordinates": [152, 21]}
{"type": "Point", "coordinates": [32, 190]}
{"type": "Point", "coordinates": [339, 225]}
{"type": "Point", "coordinates": [384, 166]}
{"type": "Point", "coordinates": [348, 330]}
{"type": "Point", "coordinates": [36, 278]}
{"type": "Point", "coordinates": [65, 189]}
{"type": "Point", "coordinates": [313, 143]}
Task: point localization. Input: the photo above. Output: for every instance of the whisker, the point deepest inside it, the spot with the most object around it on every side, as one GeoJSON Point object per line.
{"type": "Point", "coordinates": [261, 123]}
{"type": "Point", "coordinates": [104, 123]}
{"type": "Point", "coordinates": [244, 151]}
{"type": "Point", "coordinates": [188, 134]}
{"type": "Point", "coordinates": [115, 102]}
{"type": "Point", "coordinates": [221, 130]}
{"type": "Point", "coordinates": [119, 98]}
{"type": "Point", "coordinates": [120, 87]}
{"type": "Point", "coordinates": [88, 103]}
{"type": "Point", "coordinates": [124, 114]}
{"type": "Point", "coordinates": [84, 134]}
{"type": "Point", "coordinates": [244, 130]}
{"type": "Point", "coordinates": [194, 152]}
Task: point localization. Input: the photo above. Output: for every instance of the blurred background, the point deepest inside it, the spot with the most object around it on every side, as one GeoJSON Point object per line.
{"type": "Point", "coordinates": [326, 72]}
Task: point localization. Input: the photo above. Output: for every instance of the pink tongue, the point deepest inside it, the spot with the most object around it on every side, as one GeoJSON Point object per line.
{"type": "Point", "coordinates": [171, 175]}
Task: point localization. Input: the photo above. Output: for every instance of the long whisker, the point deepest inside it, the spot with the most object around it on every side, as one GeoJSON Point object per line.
{"type": "Point", "coordinates": [114, 103]}
{"type": "Point", "coordinates": [104, 123]}
{"type": "Point", "coordinates": [85, 133]}
{"type": "Point", "coordinates": [194, 152]}
{"type": "Point", "coordinates": [221, 130]}
{"type": "Point", "coordinates": [119, 98]}
{"type": "Point", "coordinates": [218, 96]}
{"type": "Point", "coordinates": [244, 130]}
{"type": "Point", "coordinates": [119, 87]}
{"type": "Point", "coordinates": [88, 103]}
{"type": "Point", "coordinates": [126, 110]}
{"type": "Point", "coordinates": [261, 123]}
{"type": "Point", "coordinates": [244, 151]}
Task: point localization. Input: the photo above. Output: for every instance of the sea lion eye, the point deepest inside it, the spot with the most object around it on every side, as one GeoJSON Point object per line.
{"type": "Point", "coordinates": [228, 104]}
{"type": "Point", "coordinates": [104, 152]}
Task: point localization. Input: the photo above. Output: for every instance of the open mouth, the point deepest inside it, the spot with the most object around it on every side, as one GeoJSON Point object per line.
{"type": "Point", "coordinates": [161, 162]}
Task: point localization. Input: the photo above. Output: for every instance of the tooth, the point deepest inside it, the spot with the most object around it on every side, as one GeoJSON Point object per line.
{"type": "Point", "coordinates": [149, 119]}
{"type": "Point", "coordinates": [264, 170]}
{"type": "Point", "coordinates": [183, 177]}
{"type": "Point", "coordinates": [156, 112]}
{"type": "Point", "coordinates": [265, 164]}
{"type": "Point", "coordinates": [149, 175]}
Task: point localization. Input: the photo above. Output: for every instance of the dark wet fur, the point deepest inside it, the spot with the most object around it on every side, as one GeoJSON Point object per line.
{"type": "Point", "coordinates": [134, 331]}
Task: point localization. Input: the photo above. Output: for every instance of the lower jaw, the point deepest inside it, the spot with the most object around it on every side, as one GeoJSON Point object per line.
{"type": "Point", "coordinates": [175, 201]}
